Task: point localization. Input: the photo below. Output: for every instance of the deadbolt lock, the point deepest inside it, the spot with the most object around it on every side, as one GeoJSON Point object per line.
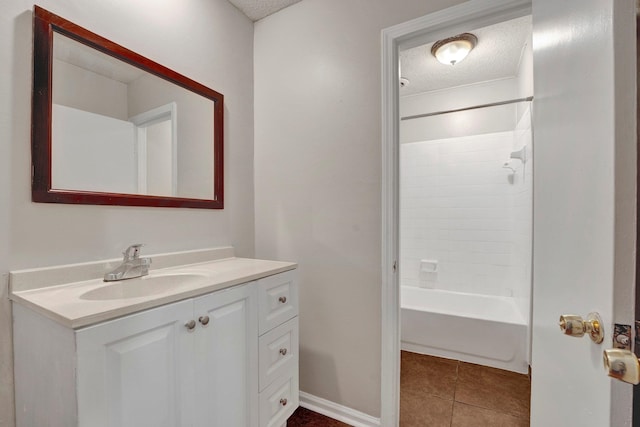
{"type": "Point", "coordinates": [622, 365]}
{"type": "Point", "coordinates": [576, 326]}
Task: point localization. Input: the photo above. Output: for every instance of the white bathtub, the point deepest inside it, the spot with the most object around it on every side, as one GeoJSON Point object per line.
{"type": "Point", "coordinates": [481, 329]}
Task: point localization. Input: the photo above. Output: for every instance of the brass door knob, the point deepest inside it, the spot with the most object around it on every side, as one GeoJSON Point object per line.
{"type": "Point", "coordinates": [622, 365]}
{"type": "Point", "coordinates": [575, 326]}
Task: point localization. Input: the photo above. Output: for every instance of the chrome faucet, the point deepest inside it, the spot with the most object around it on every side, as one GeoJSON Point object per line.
{"type": "Point", "coordinates": [132, 265]}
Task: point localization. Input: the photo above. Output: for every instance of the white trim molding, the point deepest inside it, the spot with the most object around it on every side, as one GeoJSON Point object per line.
{"type": "Point", "coordinates": [337, 412]}
{"type": "Point", "coordinates": [453, 20]}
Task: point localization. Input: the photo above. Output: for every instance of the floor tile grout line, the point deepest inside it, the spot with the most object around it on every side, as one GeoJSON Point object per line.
{"type": "Point", "coordinates": [455, 389]}
{"type": "Point", "coordinates": [494, 410]}
{"type": "Point", "coordinates": [455, 383]}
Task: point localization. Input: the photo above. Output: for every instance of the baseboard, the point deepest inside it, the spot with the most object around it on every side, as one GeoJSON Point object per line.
{"type": "Point", "coordinates": [337, 412]}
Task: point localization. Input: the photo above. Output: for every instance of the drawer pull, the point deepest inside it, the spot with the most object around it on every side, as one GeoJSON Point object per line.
{"type": "Point", "coordinates": [204, 320]}
{"type": "Point", "coordinates": [282, 299]}
{"type": "Point", "coordinates": [283, 351]}
{"type": "Point", "coordinates": [190, 325]}
{"type": "Point", "coordinates": [283, 402]}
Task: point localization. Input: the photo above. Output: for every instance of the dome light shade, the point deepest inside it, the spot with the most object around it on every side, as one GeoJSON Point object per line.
{"type": "Point", "coordinates": [454, 49]}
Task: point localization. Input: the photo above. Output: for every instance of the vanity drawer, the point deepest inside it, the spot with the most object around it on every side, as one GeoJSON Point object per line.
{"type": "Point", "coordinates": [278, 352]}
{"type": "Point", "coordinates": [277, 300]}
{"type": "Point", "coordinates": [279, 401]}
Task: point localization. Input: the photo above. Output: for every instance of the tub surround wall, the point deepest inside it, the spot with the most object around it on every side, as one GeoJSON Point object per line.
{"type": "Point", "coordinates": [522, 215]}
{"type": "Point", "coordinates": [209, 41]}
{"type": "Point", "coordinates": [460, 207]}
{"type": "Point", "coordinates": [456, 207]}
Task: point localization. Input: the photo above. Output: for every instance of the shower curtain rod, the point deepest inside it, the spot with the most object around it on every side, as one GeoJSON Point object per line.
{"type": "Point", "coordinates": [475, 107]}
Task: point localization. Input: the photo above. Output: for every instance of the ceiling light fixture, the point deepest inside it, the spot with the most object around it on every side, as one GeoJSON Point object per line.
{"type": "Point", "coordinates": [454, 49]}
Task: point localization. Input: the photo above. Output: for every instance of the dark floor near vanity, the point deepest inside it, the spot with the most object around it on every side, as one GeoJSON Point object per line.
{"type": "Point", "coordinates": [439, 392]}
{"type": "Point", "coordinates": [307, 418]}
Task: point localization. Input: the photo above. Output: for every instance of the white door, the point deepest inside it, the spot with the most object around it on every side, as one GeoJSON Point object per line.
{"type": "Point", "coordinates": [137, 371]}
{"type": "Point", "coordinates": [227, 358]}
{"type": "Point", "coordinates": [584, 196]}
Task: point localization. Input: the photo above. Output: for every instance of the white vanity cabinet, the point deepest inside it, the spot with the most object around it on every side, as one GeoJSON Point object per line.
{"type": "Point", "coordinates": [202, 361]}
{"type": "Point", "coordinates": [191, 363]}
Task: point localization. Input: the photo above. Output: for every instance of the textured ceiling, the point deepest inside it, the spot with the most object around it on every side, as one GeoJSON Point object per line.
{"type": "Point", "coordinates": [258, 9]}
{"type": "Point", "coordinates": [496, 56]}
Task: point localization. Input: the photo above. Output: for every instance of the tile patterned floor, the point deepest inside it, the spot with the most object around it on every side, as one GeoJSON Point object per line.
{"type": "Point", "coordinates": [439, 392]}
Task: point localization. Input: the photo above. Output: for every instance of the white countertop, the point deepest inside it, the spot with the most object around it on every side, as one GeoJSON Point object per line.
{"type": "Point", "coordinates": [63, 302]}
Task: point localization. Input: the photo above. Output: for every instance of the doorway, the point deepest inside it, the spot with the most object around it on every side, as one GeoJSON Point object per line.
{"type": "Point", "coordinates": [578, 211]}
{"type": "Point", "coordinates": [465, 190]}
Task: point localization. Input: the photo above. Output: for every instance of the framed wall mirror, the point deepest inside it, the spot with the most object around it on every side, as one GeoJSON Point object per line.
{"type": "Point", "coordinates": [111, 127]}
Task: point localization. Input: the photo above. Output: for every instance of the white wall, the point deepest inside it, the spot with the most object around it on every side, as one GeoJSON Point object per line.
{"type": "Point", "coordinates": [318, 177]}
{"type": "Point", "coordinates": [501, 118]}
{"type": "Point", "coordinates": [460, 97]}
{"type": "Point", "coordinates": [207, 40]}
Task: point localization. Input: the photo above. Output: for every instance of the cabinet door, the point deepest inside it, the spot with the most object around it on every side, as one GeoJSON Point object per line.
{"type": "Point", "coordinates": [227, 358]}
{"type": "Point", "coordinates": [137, 371]}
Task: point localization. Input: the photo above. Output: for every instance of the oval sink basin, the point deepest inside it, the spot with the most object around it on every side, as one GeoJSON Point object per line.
{"type": "Point", "coordinates": [144, 286]}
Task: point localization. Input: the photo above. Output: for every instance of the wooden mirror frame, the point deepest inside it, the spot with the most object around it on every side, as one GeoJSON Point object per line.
{"type": "Point", "coordinates": [45, 24]}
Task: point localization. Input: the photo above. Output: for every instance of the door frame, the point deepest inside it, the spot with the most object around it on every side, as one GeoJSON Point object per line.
{"type": "Point", "coordinates": [440, 24]}
{"type": "Point", "coordinates": [636, 325]}
{"type": "Point", "coordinates": [142, 121]}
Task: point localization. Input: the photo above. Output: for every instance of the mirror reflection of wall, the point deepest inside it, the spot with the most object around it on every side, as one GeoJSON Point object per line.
{"type": "Point", "coordinates": [108, 134]}
{"type": "Point", "coordinates": [95, 154]}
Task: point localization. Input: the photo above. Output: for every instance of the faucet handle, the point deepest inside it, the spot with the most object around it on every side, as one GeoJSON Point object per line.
{"type": "Point", "coordinates": [132, 252]}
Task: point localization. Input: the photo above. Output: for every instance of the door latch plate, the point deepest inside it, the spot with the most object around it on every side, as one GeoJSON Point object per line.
{"type": "Point", "coordinates": [622, 336]}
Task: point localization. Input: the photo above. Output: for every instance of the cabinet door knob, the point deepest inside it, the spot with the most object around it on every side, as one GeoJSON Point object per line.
{"type": "Point", "coordinates": [282, 299]}
{"type": "Point", "coordinates": [190, 325]}
{"type": "Point", "coordinates": [283, 351]}
{"type": "Point", "coordinates": [204, 320]}
{"type": "Point", "coordinates": [283, 402]}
